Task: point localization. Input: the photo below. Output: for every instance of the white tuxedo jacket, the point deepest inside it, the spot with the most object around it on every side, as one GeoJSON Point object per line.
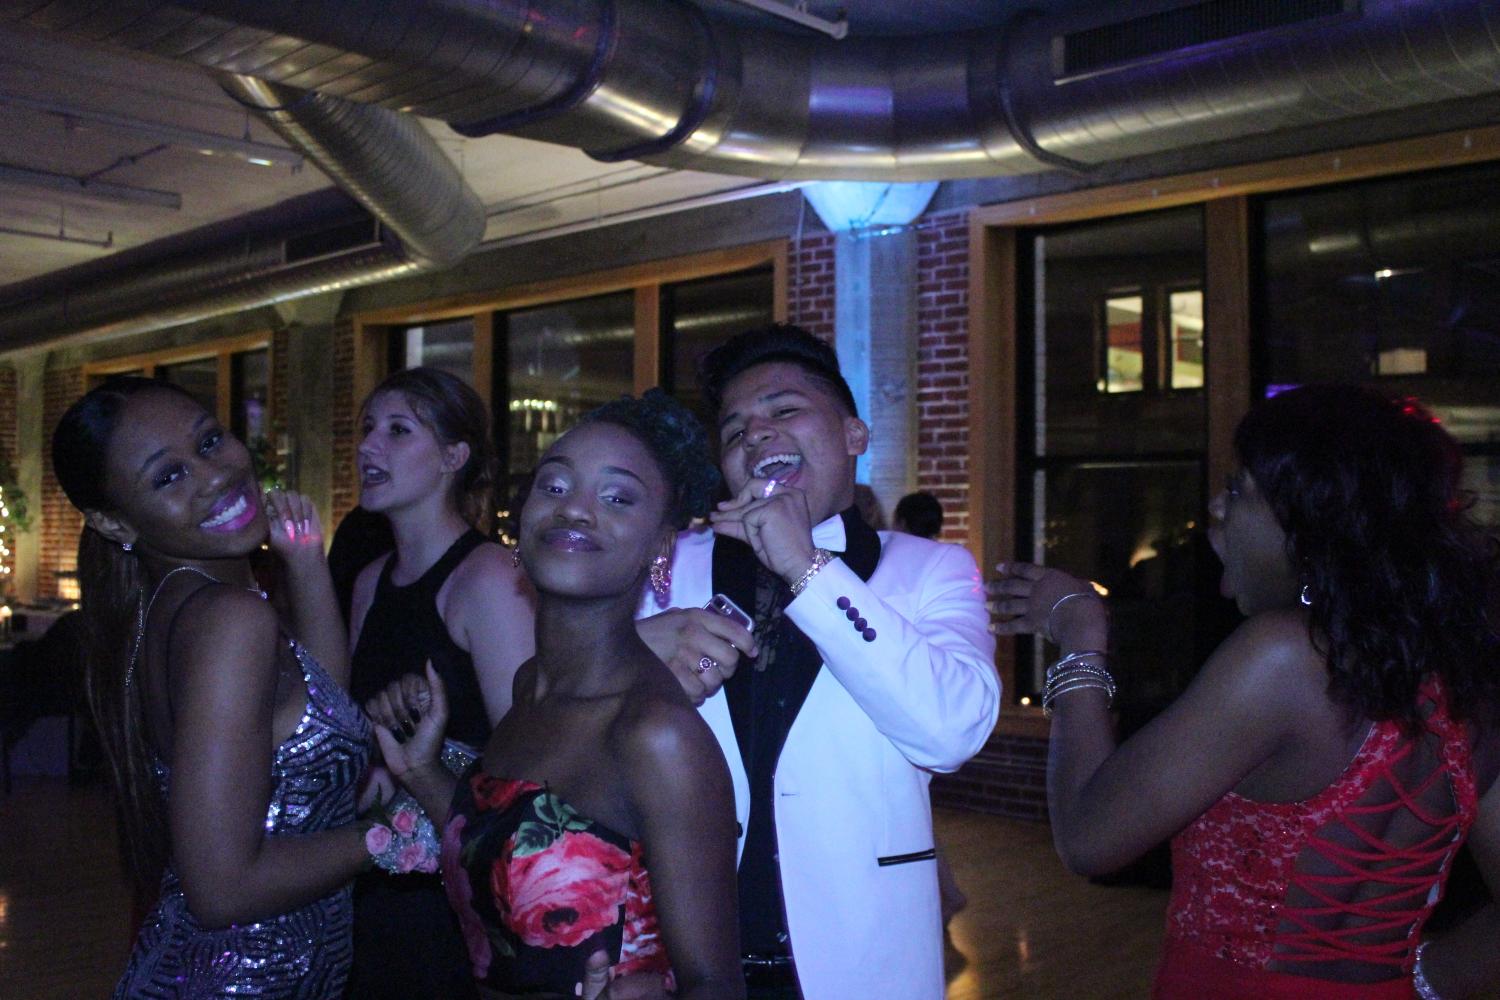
{"type": "Point", "coordinates": [853, 821]}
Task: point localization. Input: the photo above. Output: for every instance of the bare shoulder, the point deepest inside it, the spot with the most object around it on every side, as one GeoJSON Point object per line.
{"type": "Point", "coordinates": [484, 574]}
{"type": "Point", "coordinates": [659, 732]}
{"type": "Point", "coordinates": [1271, 660]}
{"type": "Point", "coordinates": [222, 628]}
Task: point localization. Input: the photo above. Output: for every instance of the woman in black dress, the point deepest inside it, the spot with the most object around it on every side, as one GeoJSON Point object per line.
{"type": "Point", "coordinates": [447, 595]}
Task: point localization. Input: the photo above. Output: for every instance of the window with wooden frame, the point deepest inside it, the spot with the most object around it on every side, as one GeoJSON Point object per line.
{"type": "Point", "coordinates": [231, 378]}
{"type": "Point", "coordinates": [1233, 367]}
{"type": "Point", "coordinates": [541, 354]}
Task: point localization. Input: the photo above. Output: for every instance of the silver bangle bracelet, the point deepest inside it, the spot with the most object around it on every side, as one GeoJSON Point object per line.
{"type": "Point", "coordinates": [1419, 981]}
{"type": "Point", "coordinates": [1064, 599]}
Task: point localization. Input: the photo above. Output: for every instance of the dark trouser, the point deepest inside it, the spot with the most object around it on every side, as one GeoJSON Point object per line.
{"type": "Point", "coordinates": [407, 945]}
{"type": "Point", "coordinates": [769, 978]}
{"type": "Point", "coordinates": [772, 993]}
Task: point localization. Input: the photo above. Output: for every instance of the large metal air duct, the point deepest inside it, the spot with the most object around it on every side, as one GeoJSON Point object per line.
{"type": "Point", "coordinates": [656, 80]}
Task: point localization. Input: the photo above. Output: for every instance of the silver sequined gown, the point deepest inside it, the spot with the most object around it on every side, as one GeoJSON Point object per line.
{"type": "Point", "coordinates": [301, 955]}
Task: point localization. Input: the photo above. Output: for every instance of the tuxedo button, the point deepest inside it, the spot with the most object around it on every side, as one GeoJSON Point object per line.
{"type": "Point", "coordinates": [860, 624]}
{"type": "Point", "coordinates": [869, 635]}
{"type": "Point", "coordinates": [852, 614]}
{"type": "Point", "coordinates": [843, 603]}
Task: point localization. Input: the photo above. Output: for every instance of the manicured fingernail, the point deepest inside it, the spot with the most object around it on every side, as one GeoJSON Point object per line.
{"type": "Point", "coordinates": [400, 736]}
{"type": "Point", "coordinates": [416, 716]}
{"type": "Point", "coordinates": [291, 529]}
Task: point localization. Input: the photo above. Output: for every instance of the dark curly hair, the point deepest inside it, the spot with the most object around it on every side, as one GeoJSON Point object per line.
{"type": "Point", "coordinates": [676, 440]}
{"type": "Point", "coordinates": [454, 412]}
{"type": "Point", "coordinates": [1402, 584]}
{"type": "Point", "coordinates": [781, 342]}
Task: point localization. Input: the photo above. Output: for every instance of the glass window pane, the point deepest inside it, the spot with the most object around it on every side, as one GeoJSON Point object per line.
{"type": "Point", "coordinates": [698, 316]}
{"type": "Point", "coordinates": [561, 360]}
{"type": "Point", "coordinates": [1116, 310]}
{"type": "Point", "coordinates": [1392, 282]}
{"type": "Point", "coordinates": [200, 378]}
{"type": "Point", "coordinates": [1185, 313]}
{"type": "Point", "coordinates": [448, 345]}
{"type": "Point", "coordinates": [1124, 362]}
{"type": "Point", "coordinates": [249, 386]}
{"type": "Point", "coordinates": [1137, 530]}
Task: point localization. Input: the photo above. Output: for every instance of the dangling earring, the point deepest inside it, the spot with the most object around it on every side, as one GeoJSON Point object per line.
{"type": "Point", "coordinates": [661, 577]}
{"type": "Point", "coordinates": [128, 546]}
{"type": "Point", "coordinates": [515, 557]}
{"type": "Point", "coordinates": [1306, 595]}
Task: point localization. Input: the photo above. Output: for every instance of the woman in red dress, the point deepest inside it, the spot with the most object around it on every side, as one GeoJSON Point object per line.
{"type": "Point", "coordinates": [1331, 757]}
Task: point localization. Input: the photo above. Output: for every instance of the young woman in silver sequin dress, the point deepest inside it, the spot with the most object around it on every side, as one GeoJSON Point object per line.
{"type": "Point", "coordinates": [234, 749]}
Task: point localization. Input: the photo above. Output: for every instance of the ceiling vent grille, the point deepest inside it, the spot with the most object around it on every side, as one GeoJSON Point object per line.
{"type": "Point", "coordinates": [1154, 36]}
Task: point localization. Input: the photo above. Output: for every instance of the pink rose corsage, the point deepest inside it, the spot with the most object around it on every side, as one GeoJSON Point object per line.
{"type": "Point", "coordinates": [408, 843]}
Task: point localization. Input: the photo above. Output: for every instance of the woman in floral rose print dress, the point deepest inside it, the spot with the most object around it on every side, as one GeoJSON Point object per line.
{"type": "Point", "coordinates": [602, 768]}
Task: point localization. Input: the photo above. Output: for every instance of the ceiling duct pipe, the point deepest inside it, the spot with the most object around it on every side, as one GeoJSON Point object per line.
{"type": "Point", "coordinates": [385, 160]}
{"type": "Point", "coordinates": [658, 81]}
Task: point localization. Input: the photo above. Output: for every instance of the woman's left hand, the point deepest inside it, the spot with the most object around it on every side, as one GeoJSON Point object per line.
{"type": "Point", "coordinates": [1030, 598]}
{"type": "Point", "coordinates": [295, 528]}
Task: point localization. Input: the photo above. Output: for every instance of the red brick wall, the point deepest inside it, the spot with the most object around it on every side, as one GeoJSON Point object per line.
{"type": "Point", "coordinates": [943, 367]}
{"type": "Point", "coordinates": [345, 489]}
{"type": "Point", "coordinates": [810, 285]}
{"type": "Point", "coordinates": [1007, 778]}
{"type": "Point", "coordinates": [57, 520]}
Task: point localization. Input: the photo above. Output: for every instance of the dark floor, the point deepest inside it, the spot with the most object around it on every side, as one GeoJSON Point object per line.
{"type": "Point", "coordinates": [1030, 929]}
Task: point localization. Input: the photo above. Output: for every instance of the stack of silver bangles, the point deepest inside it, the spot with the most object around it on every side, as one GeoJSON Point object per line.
{"type": "Point", "coordinates": [1076, 672]}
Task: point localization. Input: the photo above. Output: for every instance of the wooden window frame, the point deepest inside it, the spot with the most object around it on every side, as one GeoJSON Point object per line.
{"type": "Point", "coordinates": [223, 350]}
{"type": "Point", "coordinates": [994, 232]}
{"type": "Point", "coordinates": [645, 280]}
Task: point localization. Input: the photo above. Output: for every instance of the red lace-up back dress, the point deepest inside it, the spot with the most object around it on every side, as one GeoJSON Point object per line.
{"type": "Point", "coordinates": [1325, 897]}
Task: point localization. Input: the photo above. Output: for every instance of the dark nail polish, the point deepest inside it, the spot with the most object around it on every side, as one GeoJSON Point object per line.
{"type": "Point", "coordinates": [416, 716]}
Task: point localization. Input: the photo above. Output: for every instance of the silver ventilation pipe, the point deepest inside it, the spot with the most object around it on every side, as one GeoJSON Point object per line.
{"type": "Point", "coordinates": [385, 160]}
{"type": "Point", "coordinates": [657, 81]}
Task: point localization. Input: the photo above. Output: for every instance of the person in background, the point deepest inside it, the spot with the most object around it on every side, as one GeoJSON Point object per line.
{"type": "Point", "coordinates": [360, 539]}
{"type": "Point", "coordinates": [919, 514]}
{"type": "Point", "coordinates": [233, 749]}
{"type": "Point", "coordinates": [445, 595]}
{"type": "Point", "coordinates": [1331, 757]}
{"type": "Point", "coordinates": [871, 666]}
{"type": "Point", "coordinates": [598, 828]}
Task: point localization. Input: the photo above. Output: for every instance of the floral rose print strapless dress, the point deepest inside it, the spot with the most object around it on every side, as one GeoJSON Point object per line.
{"type": "Point", "coordinates": [538, 888]}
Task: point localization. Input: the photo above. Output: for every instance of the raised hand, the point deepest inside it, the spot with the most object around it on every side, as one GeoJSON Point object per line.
{"type": "Point", "coordinates": [774, 520]}
{"type": "Point", "coordinates": [1047, 602]}
{"type": "Point", "coordinates": [294, 524]}
{"type": "Point", "coordinates": [700, 647]}
{"type": "Point", "coordinates": [410, 716]}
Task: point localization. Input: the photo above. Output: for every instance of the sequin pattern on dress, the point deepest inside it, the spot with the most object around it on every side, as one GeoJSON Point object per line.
{"type": "Point", "coordinates": [300, 955]}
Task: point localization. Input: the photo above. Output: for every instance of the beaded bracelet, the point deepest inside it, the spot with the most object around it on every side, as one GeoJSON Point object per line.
{"type": "Point", "coordinates": [1077, 672]}
{"type": "Point", "coordinates": [821, 558]}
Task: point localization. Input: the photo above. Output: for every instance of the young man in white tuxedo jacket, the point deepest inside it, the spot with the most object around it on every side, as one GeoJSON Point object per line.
{"type": "Point", "coordinates": [870, 666]}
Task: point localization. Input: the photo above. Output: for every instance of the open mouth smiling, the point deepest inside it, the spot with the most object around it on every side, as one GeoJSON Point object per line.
{"type": "Point", "coordinates": [232, 512]}
{"type": "Point", "coordinates": [780, 466]}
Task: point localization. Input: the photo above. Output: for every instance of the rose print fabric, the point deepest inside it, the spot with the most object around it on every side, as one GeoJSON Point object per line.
{"type": "Point", "coordinates": [1281, 899]}
{"type": "Point", "coordinates": [538, 888]}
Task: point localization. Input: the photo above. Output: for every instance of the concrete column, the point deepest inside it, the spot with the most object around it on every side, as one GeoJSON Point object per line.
{"type": "Point", "coordinates": [875, 329]}
{"type": "Point", "coordinates": [31, 442]}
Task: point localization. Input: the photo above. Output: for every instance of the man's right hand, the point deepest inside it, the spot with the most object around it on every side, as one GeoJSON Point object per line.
{"type": "Point", "coordinates": [683, 637]}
